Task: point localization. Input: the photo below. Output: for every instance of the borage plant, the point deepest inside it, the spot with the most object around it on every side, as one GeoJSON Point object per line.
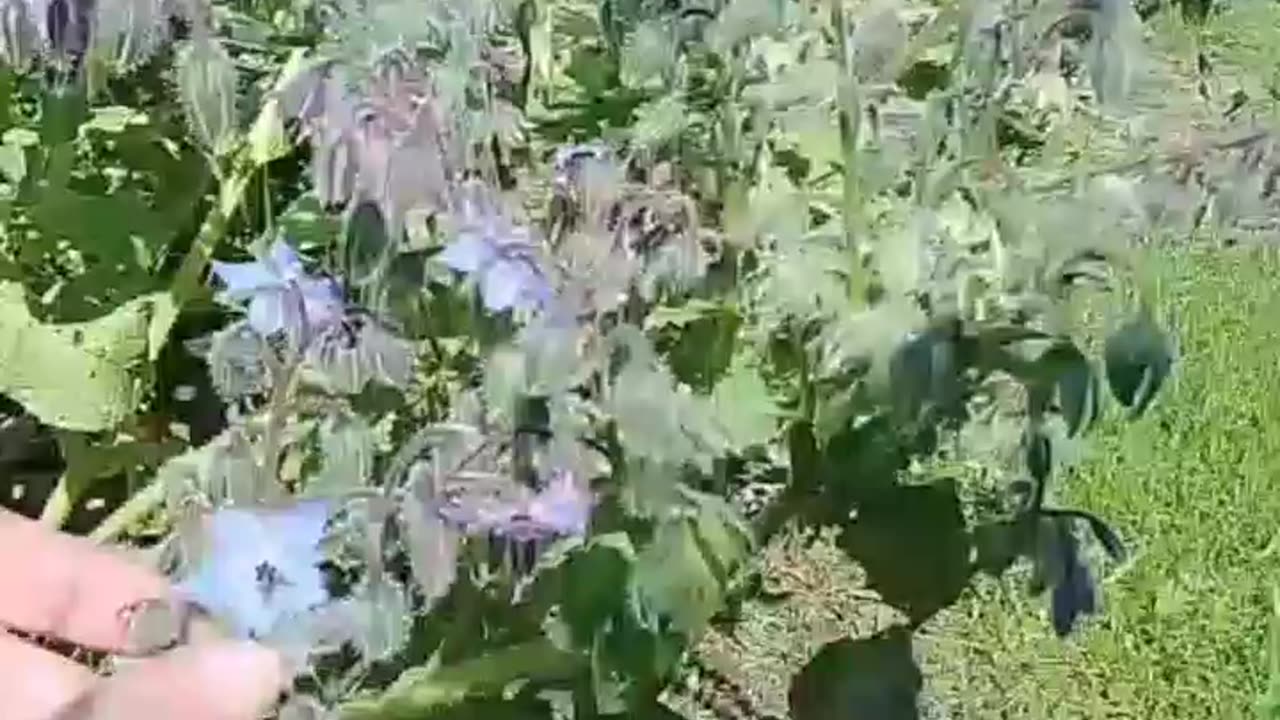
{"type": "Point", "coordinates": [518, 299]}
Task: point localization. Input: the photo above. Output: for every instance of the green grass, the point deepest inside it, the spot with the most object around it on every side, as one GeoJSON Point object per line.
{"type": "Point", "coordinates": [1195, 486]}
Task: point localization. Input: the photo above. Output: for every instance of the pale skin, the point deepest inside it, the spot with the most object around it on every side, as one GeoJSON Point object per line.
{"type": "Point", "coordinates": [59, 586]}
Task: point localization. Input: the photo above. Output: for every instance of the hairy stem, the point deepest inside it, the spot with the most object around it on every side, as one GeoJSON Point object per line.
{"type": "Point", "coordinates": [850, 118]}
{"type": "Point", "coordinates": [137, 507]}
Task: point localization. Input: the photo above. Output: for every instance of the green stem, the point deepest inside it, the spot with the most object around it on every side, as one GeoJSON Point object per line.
{"type": "Point", "coordinates": [850, 118]}
{"type": "Point", "coordinates": [58, 506]}
{"type": "Point", "coordinates": [137, 507]}
{"type": "Point", "coordinates": [186, 286]}
{"type": "Point", "coordinates": [419, 691]}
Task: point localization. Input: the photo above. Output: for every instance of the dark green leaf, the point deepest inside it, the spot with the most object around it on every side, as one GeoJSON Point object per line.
{"type": "Point", "coordinates": [594, 585]}
{"type": "Point", "coordinates": [874, 678]}
{"type": "Point", "coordinates": [921, 522]}
{"type": "Point", "coordinates": [673, 581]}
{"type": "Point", "coordinates": [1138, 358]}
{"type": "Point", "coordinates": [1039, 454]}
{"type": "Point", "coordinates": [420, 691]}
{"type": "Point", "coordinates": [366, 243]}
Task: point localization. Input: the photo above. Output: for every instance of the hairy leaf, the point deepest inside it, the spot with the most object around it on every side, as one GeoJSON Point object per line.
{"type": "Point", "coordinates": [206, 77]}
{"type": "Point", "coordinates": [76, 376]}
{"type": "Point", "coordinates": [673, 580]}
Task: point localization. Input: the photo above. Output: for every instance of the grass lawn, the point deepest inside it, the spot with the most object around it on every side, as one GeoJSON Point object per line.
{"type": "Point", "coordinates": [1195, 487]}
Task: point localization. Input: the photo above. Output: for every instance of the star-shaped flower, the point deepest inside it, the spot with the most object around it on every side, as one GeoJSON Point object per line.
{"type": "Point", "coordinates": [260, 567]}
{"type": "Point", "coordinates": [502, 259]}
{"type": "Point", "coordinates": [282, 298]}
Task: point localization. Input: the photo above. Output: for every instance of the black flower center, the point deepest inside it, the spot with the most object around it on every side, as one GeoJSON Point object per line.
{"type": "Point", "coordinates": [269, 578]}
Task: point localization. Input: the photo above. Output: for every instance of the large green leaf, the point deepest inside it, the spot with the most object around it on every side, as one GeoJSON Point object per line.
{"type": "Point", "coordinates": [76, 376]}
{"type": "Point", "coordinates": [744, 408]}
{"type": "Point", "coordinates": [874, 678]}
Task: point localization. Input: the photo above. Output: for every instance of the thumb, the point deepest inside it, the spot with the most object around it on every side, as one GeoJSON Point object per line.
{"type": "Point", "coordinates": [222, 680]}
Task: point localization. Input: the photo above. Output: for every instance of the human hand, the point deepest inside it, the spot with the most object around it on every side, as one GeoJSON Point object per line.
{"type": "Point", "coordinates": [57, 585]}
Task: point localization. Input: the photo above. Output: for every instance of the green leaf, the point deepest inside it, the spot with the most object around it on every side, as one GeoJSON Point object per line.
{"type": "Point", "coordinates": [420, 691]}
{"type": "Point", "coordinates": [1139, 358]}
{"type": "Point", "coordinates": [366, 243]}
{"type": "Point", "coordinates": [62, 112]}
{"type": "Point", "coordinates": [347, 454]}
{"type": "Point", "coordinates": [650, 52]}
{"type": "Point", "coordinates": [920, 522]}
{"type": "Point", "coordinates": [75, 376]}
{"type": "Point", "coordinates": [658, 122]}
{"type": "Point", "coordinates": [382, 618]}
{"type": "Point", "coordinates": [597, 575]}
{"type": "Point", "coordinates": [875, 678]}
{"type": "Point", "coordinates": [113, 119]}
{"type": "Point", "coordinates": [266, 138]}
{"type": "Point", "coordinates": [13, 163]}
{"type": "Point", "coordinates": [206, 77]}
{"type": "Point", "coordinates": [674, 582]}
{"type": "Point", "coordinates": [1078, 387]}
{"type": "Point", "coordinates": [725, 539]}
{"type": "Point", "coordinates": [743, 406]}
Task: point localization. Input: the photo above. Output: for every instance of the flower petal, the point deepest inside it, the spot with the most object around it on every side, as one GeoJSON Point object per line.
{"type": "Point", "coordinates": [284, 261]}
{"type": "Point", "coordinates": [468, 253]}
{"type": "Point", "coordinates": [322, 300]}
{"type": "Point", "coordinates": [270, 312]}
{"type": "Point", "coordinates": [242, 279]}
{"type": "Point", "coordinates": [564, 506]}
{"type": "Point", "coordinates": [300, 526]}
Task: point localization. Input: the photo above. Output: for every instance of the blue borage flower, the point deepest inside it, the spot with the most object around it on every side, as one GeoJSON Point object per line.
{"type": "Point", "coordinates": [260, 567]}
{"type": "Point", "coordinates": [501, 257]}
{"type": "Point", "coordinates": [281, 297]}
{"type": "Point", "coordinates": [560, 508]}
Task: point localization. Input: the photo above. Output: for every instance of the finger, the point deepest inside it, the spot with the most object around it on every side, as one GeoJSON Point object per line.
{"type": "Point", "coordinates": [58, 584]}
{"type": "Point", "coordinates": [35, 683]}
{"type": "Point", "coordinates": [223, 680]}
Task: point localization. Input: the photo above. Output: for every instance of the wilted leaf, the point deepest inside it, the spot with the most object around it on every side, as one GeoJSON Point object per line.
{"type": "Point", "coordinates": [1079, 391]}
{"type": "Point", "coordinates": [1138, 358]}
